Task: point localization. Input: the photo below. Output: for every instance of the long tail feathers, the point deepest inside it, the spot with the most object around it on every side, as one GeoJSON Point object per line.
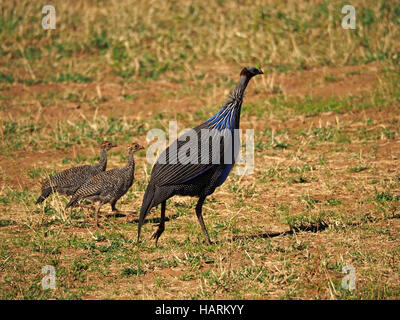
{"type": "Point", "coordinates": [72, 202]}
{"type": "Point", "coordinates": [146, 206]}
{"type": "Point", "coordinates": [45, 193]}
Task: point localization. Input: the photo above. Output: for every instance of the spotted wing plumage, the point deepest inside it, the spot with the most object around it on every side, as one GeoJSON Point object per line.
{"type": "Point", "coordinates": [105, 186]}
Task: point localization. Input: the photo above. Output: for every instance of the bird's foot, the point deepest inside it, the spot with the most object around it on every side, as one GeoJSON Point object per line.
{"type": "Point", "coordinates": [156, 235]}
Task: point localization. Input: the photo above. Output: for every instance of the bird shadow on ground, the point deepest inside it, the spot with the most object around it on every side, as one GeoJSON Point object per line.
{"type": "Point", "coordinates": [157, 220]}
{"type": "Point", "coordinates": [152, 220]}
{"type": "Point", "coordinates": [120, 214]}
{"type": "Point", "coordinates": [314, 227]}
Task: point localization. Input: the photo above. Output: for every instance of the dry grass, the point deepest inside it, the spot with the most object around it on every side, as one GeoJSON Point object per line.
{"type": "Point", "coordinates": [325, 191]}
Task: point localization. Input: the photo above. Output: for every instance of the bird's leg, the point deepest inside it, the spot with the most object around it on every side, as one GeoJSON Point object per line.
{"type": "Point", "coordinates": [113, 208]}
{"type": "Point", "coordinates": [161, 225]}
{"type": "Point", "coordinates": [199, 208]}
{"type": "Point", "coordinates": [97, 215]}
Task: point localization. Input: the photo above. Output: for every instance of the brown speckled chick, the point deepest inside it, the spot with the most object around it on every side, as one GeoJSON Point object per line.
{"type": "Point", "coordinates": [108, 186]}
{"type": "Point", "coordinates": [68, 181]}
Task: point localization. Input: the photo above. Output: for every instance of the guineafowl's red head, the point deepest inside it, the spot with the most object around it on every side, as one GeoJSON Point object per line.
{"type": "Point", "coordinates": [107, 145]}
{"type": "Point", "coordinates": [133, 147]}
{"type": "Point", "coordinates": [250, 72]}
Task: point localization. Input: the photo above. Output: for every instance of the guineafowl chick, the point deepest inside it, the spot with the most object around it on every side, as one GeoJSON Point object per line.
{"type": "Point", "coordinates": [108, 186]}
{"type": "Point", "coordinates": [68, 181]}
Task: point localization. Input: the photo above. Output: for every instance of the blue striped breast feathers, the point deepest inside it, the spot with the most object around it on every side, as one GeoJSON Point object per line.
{"type": "Point", "coordinates": [225, 120]}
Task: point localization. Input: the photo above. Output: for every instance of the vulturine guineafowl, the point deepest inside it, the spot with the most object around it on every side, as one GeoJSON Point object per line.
{"type": "Point", "coordinates": [200, 172]}
{"type": "Point", "coordinates": [68, 181]}
{"type": "Point", "coordinates": [108, 186]}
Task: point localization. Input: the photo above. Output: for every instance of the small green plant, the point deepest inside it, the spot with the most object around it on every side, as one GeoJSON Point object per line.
{"type": "Point", "coordinates": [357, 169]}
{"type": "Point", "coordinates": [127, 272]}
{"type": "Point", "coordinates": [6, 78]}
{"type": "Point", "coordinates": [68, 77]}
{"type": "Point", "coordinates": [331, 78]}
{"type": "Point", "coordinates": [281, 145]}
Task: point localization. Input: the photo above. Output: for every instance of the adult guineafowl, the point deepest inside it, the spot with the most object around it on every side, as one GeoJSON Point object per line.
{"type": "Point", "coordinates": [189, 167]}
{"type": "Point", "coordinates": [108, 186]}
{"type": "Point", "coordinates": [68, 181]}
